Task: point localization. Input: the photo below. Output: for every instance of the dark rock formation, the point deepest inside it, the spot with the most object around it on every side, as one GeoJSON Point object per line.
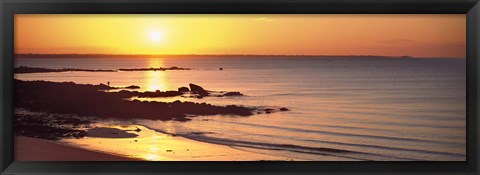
{"type": "Point", "coordinates": [51, 127]}
{"type": "Point", "coordinates": [196, 89]}
{"type": "Point", "coordinates": [183, 89]}
{"type": "Point", "coordinates": [155, 69]}
{"type": "Point", "coordinates": [233, 94]}
{"type": "Point", "coordinates": [25, 69]}
{"type": "Point", "coordinates": [132, 87]}
{"type": "Point", "coordinates": [89, 100]}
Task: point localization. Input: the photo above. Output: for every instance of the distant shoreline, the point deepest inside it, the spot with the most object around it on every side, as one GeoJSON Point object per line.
{"type": "Point", "coordinates": [26, 69]}
{"type": "Point", "coordinates": [35, 55]}
{"type": "Point", "coordinates": [73, 55]}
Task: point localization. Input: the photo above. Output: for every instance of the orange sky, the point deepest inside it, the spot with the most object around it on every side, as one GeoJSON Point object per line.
{"type": "Point", "coordinates": [388, 35]}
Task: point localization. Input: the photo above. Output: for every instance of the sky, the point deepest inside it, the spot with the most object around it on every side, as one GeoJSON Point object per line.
{"type": "Point", "coordinates": [321, 34]}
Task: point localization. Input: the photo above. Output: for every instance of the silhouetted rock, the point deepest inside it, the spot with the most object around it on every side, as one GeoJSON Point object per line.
{"type": "Point", "coordinates": [239, 110]}
{"type": "Point", "coordinates": [268, 110]}
{"type": "Point", "coordinates": [109, 133]}
{"type": "Point", "coordinates": [196, 89]}
{"type": "Point", "coordinates": [182, 119]}
{"type": "Point", "coordinates": [159, 93]}
{"type": "Point", "coordinates": [155, 69]}
{"type": "Point", "coordinates": [284, 109]}
{"type": "Point", "coordinates": [132, 87]}
{"type": "Point", "coordinates": [233, 94]}
{"type": "Point", "coordinates": [147, 94]}
{"type": "Point", "coordinates": [88, 100]}
{"type": "Point", "coordinates": [183, 89]}
{"type": "Point", "coordinates": [51, 127]}
{"type": "Point", "coordinates": [25, 69]}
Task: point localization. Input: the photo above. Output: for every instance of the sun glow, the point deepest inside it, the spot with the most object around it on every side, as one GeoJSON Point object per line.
{"type": "Point", "coordinates": [156, 36]}
{"type": "Point", "coordinates": [264, 34]}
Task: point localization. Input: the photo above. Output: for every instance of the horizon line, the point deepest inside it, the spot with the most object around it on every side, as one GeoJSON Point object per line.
{"type": "Point", "coordinates": [90, 55]}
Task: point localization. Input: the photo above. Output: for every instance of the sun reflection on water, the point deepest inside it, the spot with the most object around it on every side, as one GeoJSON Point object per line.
{"type": "Point", "coordinates": [152, 157]}
{"type": "Point", "coordinates": [156, 80]}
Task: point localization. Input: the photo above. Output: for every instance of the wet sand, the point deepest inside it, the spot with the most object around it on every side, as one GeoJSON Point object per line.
{"type": "Point", "coordinates": [154, 146]}
{"type": "Point", "coordinates": [33, 149]}
{"type": "Point", "coordinates": [112, 143]}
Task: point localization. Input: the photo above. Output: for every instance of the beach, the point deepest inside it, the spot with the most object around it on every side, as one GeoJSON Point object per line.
{"type": "Point", "coordinates": [33, 149]}
{"type": "Point", "coordinates": [238, 87]}
{"type": "Point", "coordinates": [295, 108]}
{"type": "Point", "coordinates": [147, 145]}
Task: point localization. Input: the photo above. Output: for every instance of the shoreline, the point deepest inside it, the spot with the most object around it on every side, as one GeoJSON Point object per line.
{"type": "Point", "coordinates": [146, 145]}
{"type": "Point", "coordinates": [150, 145]}
{"type": "Point", "coordinates": [34, 149]}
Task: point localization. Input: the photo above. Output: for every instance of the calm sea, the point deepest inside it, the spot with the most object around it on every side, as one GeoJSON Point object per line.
{"type": "Point", "coordinates": [377, 108]}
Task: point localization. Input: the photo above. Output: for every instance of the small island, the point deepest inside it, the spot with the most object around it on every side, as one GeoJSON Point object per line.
{"type": "Point", "coordinates": [26, 69]}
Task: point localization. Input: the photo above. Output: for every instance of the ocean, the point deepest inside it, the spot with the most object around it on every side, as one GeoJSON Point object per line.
{"type": "Point", "coordinates": [375, 108]}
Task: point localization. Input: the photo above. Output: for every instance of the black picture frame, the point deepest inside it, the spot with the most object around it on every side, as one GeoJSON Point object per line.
{"type": "Point", "coordinates": [10, 7]}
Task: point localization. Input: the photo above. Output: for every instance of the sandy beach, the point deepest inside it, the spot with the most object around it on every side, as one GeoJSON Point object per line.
{"type": "Point", "coordinates": [123, 143]}
{"type": "Point", "coordinates": [147, 144]}
{"type": "Point", "coordinates": [33, 149]}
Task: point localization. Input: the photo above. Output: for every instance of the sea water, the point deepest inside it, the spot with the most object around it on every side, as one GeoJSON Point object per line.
{"type": "Point", "coordinates": [369, 108]}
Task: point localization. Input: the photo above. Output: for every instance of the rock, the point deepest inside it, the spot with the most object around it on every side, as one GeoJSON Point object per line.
{"type": "Point", "coordinates": [138, 130]}
{"type": "Point", "coordinates": [233, 94]}
{"type": "Point", "coordinates": [132, 87]}
{"type": "Point", "coordinates": [104, 87]}
{"type": "Point", "coordinates": [183, 89]}
{"type": "Point", "coordinates": [196, 89]}
{"type": "Point", "coordinates": [32, 95]}
{"type": "Point", "coordinates": [239, 110]}
{"type": "Point", "coordinates": [284, 109]}
{"type": "Point", "coordinates": [220, 68]}
{"type": "Point", "coordinates": [183, 119]}
{"type": "Point", "coordinates": [268, 110]}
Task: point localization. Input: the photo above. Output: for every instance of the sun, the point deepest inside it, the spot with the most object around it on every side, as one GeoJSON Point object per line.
{"type": "Point", "coordinates": [156, 36]}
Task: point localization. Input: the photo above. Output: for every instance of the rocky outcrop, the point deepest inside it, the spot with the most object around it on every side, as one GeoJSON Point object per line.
{"type": "Point", "coordinates": [196, 89]}
{"type": "Point", "coordinates": [89, 100]}
{"type": "Point", "coordinates": [132, 87]}
{"type": "Point", "coordinates": [233, 94]}
{"type": "Point", "coordinates": [183, 89]}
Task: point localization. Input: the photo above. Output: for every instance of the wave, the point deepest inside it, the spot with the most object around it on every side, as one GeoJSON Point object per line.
{"type": "Point", "coordinates": [322, 151]}
{"type": "Point", "coordinates": [351, 135]}
{"type": "Point", "coordinates": [342, 153]}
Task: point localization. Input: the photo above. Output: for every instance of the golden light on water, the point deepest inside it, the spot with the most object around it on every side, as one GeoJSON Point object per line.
{"type": "Point", "coordinates": [153, 146]}
{"type": "Point", "coordinates": [152, 157]}
{"type": "Point", "coordinates": [156, 80]}
{"type": "Point", "coordinates": [154, 152]}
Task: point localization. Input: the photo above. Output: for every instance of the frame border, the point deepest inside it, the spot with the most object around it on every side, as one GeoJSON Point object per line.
{"type": "Point", "coordinates": [10, 7]}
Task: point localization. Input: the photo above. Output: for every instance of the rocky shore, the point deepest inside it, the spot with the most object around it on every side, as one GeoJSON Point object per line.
{"type": "Point", "coordinates": [94, 100]}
